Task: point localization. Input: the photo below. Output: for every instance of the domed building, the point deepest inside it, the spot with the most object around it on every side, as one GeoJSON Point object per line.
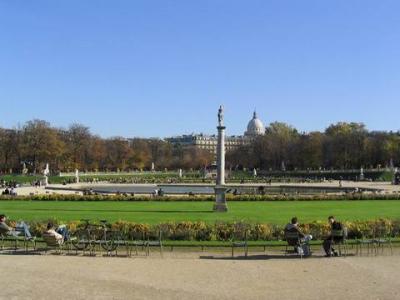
{"type": "Point", "coordinates": [209, 142]}
{"type": "Point", "coordinates": [255, 127]}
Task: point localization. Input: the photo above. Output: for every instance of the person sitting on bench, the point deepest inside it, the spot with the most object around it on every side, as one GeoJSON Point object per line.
{"type": "Point", "coordinates": [20, 228]}
{"type": "Point", "coordinates": [293, 226]}
{"type": "Point", "coordinates": [330, 240]}
{"type": "Point", "coordinates": [61, 233]}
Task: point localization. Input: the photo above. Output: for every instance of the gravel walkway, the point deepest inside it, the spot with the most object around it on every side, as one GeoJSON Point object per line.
{"type": "Point", "coordinates": [191, 276]}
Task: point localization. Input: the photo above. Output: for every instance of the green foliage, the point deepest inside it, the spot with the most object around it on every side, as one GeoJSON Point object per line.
{"type": "Point", "coordinates": [234, 231]}
{"type": "Point", "coordinates": [202, 198]}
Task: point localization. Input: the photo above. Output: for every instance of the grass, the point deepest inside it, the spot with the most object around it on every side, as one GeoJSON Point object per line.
{"type": "Point", "coordinates": [157, 212]}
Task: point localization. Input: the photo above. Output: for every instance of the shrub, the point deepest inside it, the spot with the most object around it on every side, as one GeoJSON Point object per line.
{"type": "Point", "coordinates": [227, 231]}
{"type": "Point", "coordinates": [223, 231]}
{"type": "Point", "coordinates": [203, 231]}
{"type": "Point", "coordinates": [261, 232]}
{"type": "Point", "coordinates": [210, 198]}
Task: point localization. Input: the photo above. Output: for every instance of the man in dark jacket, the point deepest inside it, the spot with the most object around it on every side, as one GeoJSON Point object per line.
{"type": "Point", "coordinates": [293, 226]}
{"type": "Point", "coordinates": [335, 225]}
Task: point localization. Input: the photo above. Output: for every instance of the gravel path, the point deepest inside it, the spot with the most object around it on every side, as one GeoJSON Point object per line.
{"type": "Point", "coordinates": [190, 276]}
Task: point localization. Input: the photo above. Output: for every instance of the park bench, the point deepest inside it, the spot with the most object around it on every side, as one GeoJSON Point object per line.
{"type": "Point", "coordinates": [382, 237]}
{"type": "Point", "coordinates": [294, 239]}
{"type": "Point", "coordinates": [52, 243]}
{"type": "Point", "coordinates": [154, 243]}
{"type": "Point", "coordinates": [134, 241]}
{"type": "Point", "coordinates": [239, 238]}
{"type": "Point", "coordinates": [116, 239]}
{"type": "Point", "coordinates": [369, 243]}
{"type": "Point", "coordinates": [15, 240]}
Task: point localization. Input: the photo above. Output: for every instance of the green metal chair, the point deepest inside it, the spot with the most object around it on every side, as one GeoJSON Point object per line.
{"type": "Point", "coordinates": [293, 239]}
{"type": "Point", "coordinates": [135, 240]}
{"type": "Point", "coordinates": [339, 239]}
{"type": "Point", "coordinates": [382, 237]}
{"type": "Point", "coordinates": [239, 238]}
{"type": "Point", "coordinates": [365, 242]}
{"type": "Point", "coordinates": [52, 243]}
{"type": "Point", "coordinates": [15, 240]}
{"type": "Point", "coordinates": [154, 243]}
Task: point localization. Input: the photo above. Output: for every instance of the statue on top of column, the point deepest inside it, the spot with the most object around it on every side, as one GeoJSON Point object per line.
{"type": "Point", "coordinates": [221, 116]}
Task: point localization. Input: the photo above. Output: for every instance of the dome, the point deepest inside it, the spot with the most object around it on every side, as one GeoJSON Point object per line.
{"type": "Point", "coordinates": [255, 126]}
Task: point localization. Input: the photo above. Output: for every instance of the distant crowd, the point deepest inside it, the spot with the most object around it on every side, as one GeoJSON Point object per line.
{"type": "Point", "coordinates": [10, 187]}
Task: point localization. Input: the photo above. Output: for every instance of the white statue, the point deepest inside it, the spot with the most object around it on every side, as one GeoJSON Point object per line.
{"type": "Point", "coordinates": [24, 169]}
{"type": "Point", "coordinates": [46, 173]}
{"type": "Point", "coordinates": [180, 173]}
{"type": "Point", "coordinates": [77, 175]}
{"type": "Point", "coordinates": [254, 172]}
{"type": "Point", "coordinates": [153, 167]}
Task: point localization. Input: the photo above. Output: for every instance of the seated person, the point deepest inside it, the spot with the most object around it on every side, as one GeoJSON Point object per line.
{"type": "Point", "coordinates": [293, 226]}
{"type": "Point", "coordinates": [60, 233]}
{"type": "Point", "coordinates": [20, 228]}
{"type": "Point", "coordinates": [335, 225]}
{"type": "Point", "coordinates": [13, 192]}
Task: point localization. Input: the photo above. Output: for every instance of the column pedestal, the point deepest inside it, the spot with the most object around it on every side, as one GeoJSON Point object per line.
{"type": "Point", "coordinates": [220, 200]}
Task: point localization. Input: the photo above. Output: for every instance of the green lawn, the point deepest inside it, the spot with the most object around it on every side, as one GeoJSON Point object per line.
{"type": "Point", "coordinates": [156, 212]}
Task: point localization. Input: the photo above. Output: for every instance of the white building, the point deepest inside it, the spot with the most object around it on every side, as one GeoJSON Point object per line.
{"type": "Point", "coordinates": [255, 128]}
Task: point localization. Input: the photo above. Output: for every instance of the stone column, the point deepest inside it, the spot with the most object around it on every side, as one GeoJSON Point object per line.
{"type": "Point", "coordinates": [221, 156]}
{"type": "Point", "coordinates": [220, 189]}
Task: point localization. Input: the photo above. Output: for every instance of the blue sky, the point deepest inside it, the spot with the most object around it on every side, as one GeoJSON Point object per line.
{"type": "Point", "coordinates": [160, 68]}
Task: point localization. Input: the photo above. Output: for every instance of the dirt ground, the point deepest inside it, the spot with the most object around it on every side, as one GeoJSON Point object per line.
{"type": "Point", "coordinates": [198, 276]}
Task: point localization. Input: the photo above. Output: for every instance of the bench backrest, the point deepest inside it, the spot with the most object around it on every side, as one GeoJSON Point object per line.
{"type": "Point", "coordinates": [51, 240]}
{"type": "Point", "coordinates": [292, 237]}
{"type": "Point", "coordinates": [338, 235]}
{"type": "Point", "coordinates": [3, 231]}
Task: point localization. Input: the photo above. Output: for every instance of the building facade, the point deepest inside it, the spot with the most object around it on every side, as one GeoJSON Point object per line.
{"type": "Point", "coordinates": [255, 128]}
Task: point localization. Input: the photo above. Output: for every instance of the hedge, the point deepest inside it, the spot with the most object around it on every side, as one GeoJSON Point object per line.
{"type": "Point", "coordinates": [230, 197]}
{"type": "Point", "coordinates": [226, 231]}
